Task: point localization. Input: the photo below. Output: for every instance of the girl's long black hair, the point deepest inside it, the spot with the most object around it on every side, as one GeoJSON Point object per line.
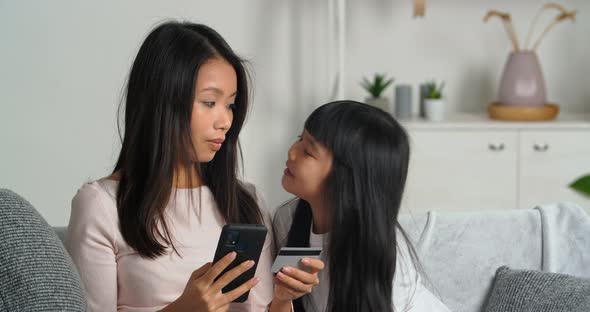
{"type": "Point", "coordinates": [157, 136]}
{"type": "Point", "coordinates": [363, 191]}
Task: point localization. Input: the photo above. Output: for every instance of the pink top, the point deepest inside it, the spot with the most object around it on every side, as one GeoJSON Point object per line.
{"type": "Point", "coordinates": [116, 278]}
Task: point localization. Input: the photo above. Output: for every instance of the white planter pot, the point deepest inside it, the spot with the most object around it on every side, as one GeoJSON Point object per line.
{"type": "Point", "coordinates": [380, 102]}
{"type": "Point", "coordinates": [434, 109]}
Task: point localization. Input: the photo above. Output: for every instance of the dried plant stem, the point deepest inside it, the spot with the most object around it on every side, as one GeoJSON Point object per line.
{"type": "Point", "coordinates": [538, 42]}
{"type": "Point", "coordinates": [562, 10]}
{"type": "Point", "coordinates": [533, 24]}
{"type": "Point", "coordinates": [512, 33]}
{"type": "Point", "coordinates": [557, 21]}
{"type": "Point", "coordinates": [507, 21]}
{"type": "Point", "coordinates": [562, 17]}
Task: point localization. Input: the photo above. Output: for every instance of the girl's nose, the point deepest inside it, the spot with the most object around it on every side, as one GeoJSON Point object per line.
{"type": "Point", "coordinates": [291, 153]}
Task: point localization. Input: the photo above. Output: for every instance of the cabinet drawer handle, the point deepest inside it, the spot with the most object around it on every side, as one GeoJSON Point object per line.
{"type": "Point", "coordinates": [496, 147]}
{"type": "Point", "coordinates": [541, 148]}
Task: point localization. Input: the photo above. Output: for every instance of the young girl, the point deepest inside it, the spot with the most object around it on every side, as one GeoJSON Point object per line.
{"type": "Point", "coordinates": [138, 235]}
{"type": "Point", "coordinates": [348, 170]}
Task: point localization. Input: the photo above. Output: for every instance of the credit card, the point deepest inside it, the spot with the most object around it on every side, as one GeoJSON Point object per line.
{"type": "Point", "coordinates": [291, 256]}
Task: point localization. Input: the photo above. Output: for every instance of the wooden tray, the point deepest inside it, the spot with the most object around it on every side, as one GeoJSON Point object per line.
{"type": "Point", "coordinates": [523, 113]}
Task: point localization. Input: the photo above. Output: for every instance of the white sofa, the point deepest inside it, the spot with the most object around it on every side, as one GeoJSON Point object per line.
{"type": "Point", "coordinates": [461, 251]}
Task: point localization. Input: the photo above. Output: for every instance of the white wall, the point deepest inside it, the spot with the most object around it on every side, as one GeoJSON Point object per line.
{"type": "Point", "coordinates": [63, 64]}
{"type": "Point", "coordinates": [454, 44]}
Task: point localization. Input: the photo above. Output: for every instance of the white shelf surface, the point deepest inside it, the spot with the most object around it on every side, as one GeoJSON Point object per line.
{"type": "Point", "coordinates": [481, 121]}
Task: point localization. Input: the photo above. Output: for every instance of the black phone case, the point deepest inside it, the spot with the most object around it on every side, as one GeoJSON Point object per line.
{"type": "Point", "coordinates": [248, 246]}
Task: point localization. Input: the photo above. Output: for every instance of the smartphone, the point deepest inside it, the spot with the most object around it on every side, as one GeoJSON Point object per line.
{"type": "Point", "coordinates": [247, 241]}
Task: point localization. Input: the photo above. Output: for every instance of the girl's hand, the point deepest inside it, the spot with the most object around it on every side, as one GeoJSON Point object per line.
{"type": "Point", "coordinates": [292, 283]}
{"type": "Point", "coordinates": [203, 293]}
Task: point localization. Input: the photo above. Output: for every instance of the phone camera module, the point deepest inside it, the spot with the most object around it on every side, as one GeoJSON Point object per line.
{"type": "Point", "coordinates": [232, 238]}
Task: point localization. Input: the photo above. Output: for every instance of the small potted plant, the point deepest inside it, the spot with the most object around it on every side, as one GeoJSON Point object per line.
{"type": "Point", "coordinates": [375, 88]}
{"type": "Point", "coordinates": [434, 105]}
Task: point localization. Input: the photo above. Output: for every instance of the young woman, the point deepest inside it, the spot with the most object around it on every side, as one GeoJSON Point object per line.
{"type": "Point", "coordinates": [348, 170]}
{"type": "Point", "coordinates": [138, 235]}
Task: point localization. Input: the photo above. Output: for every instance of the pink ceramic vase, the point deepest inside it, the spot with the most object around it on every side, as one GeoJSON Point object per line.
{"type": "Point", "coordinates": [522, 82]}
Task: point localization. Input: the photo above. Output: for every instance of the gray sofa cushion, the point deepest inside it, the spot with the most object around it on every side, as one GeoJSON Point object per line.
{"type": "Point", "coordinates": [534, 291]}
{"type": "Point", "coordinates": [61, 233]}
{"type": "Point", "coordinates": [36, 272]}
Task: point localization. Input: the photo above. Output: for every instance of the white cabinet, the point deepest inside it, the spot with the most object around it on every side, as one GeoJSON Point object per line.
{"type": "Point", "coordinates": [472, 163]}
{"type": "Point", "coordinates": [474, 168]}
{"type": "Point", "coordinates": [549, 161]}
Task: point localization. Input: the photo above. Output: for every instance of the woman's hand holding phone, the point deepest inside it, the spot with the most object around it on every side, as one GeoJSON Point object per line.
{"type": "Point", "coordinates": [203, 291]}
{"type": "Point", "coordinates": [292, 283]}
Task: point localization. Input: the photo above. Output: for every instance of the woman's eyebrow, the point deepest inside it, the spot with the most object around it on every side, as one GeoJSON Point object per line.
{"type": "Point", "coordinates": [214, 89]}
{"type": "Point", "coordinates": [218, 91]}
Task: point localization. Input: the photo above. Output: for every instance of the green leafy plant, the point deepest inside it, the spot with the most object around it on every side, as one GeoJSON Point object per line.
{"type": "Point", "coordinates": [582, 185]}
{"type": "Point", "coordinates": [434, 90]}
{"type": "Point", "coordinates": [377, 86]}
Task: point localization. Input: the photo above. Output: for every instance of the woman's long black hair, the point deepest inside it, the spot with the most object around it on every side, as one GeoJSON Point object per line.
{"type": "Point", "coordinates": [363, 191]}
{"type": "Point", "coordinates": [157, 136]}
